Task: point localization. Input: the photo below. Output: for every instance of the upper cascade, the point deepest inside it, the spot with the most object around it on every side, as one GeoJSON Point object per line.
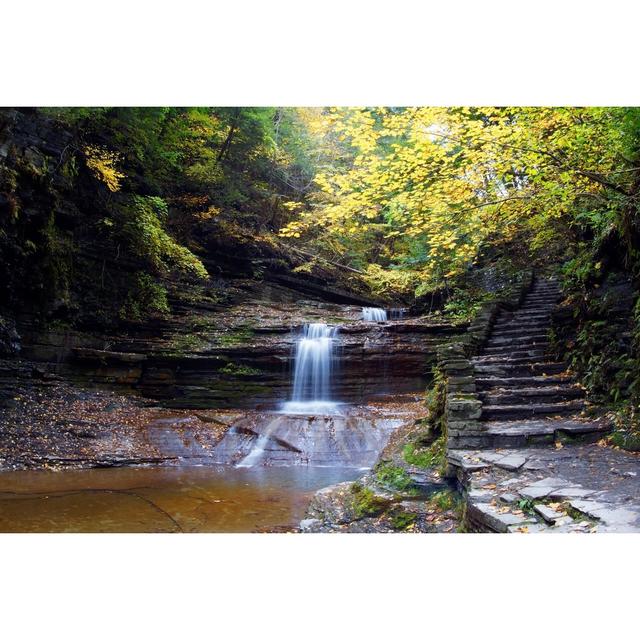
{"type": "Point", "coordinates": [374, 314]}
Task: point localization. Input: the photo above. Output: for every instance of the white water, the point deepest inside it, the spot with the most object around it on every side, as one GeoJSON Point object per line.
{"type": "Point", "coordinates": [256, 453]}
{"type": "Point", "coordinates": [314, 362]}
{"type": "Point", "coordinates": [311, 383]}
{"type": "Point", "coordinates": [373, 314]}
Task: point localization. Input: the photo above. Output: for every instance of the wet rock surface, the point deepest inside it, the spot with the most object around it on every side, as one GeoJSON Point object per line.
{"type": "Point", "coordinates": [353, 439]}
{"type": "Point", "coordinates": [52, 423]}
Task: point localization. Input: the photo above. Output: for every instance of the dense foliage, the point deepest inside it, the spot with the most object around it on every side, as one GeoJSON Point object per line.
{"type": "Point", "coordinates": [417, 193]}
{"type": "Point", "coordinates": [105, 207]}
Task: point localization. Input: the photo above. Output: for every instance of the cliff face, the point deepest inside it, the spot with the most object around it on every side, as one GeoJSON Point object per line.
{"type": "Point", "coordinates": [64, 282]}
{"type": "Point", "coordinates": [242, 355]}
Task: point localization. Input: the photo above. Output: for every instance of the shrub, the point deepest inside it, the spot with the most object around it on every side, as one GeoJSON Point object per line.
{"type": "Point", "coordinates": [145, 298]}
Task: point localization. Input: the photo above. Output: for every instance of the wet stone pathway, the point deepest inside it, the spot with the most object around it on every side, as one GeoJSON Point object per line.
{"type": "Point", "coordinates": [576, 488]}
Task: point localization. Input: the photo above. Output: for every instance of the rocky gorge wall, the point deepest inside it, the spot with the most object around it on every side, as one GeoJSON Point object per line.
{"type": "Point", "coordinates": [252, 367]}
{"type": "Point", "coordinates": [241, 354]}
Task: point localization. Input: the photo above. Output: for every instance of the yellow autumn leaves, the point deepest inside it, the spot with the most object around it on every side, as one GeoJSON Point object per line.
{"type": "Point", "coordinates": [430, 185]}
{"type": "Point", "coordinates": [104, 166]}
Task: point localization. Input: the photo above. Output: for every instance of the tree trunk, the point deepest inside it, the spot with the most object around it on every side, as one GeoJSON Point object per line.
{"type": "Point", "coordinates": [224, 149]}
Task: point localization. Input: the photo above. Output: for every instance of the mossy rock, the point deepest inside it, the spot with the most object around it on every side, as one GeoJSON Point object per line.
{"type": "Point", "coordinates": [367, 504]}
{"type": "Point", "coordinates": [431, 456]}
{"type": "Point", "coordinates": [393, 477]}
{"type": "Point", "coordinates": [401, 520]}
{"type": "Point", "coordinates": [240, 370]}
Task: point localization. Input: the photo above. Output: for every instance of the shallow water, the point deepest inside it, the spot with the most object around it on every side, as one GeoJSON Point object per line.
{"type": "Point", "coordinates": [161, 499]}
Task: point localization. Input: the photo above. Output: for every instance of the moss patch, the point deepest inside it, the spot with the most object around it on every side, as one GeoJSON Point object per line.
{"type": "Point", "coordinates": [443, 500]}
{"type": "Point", "coordinates": [394, 477]}
{"type": "Point", "coordinates": [188, 342]}
{"type": "Point", "coordinates": [238, 336]}
{"type": "Point", "coordinates": [626, 440]}
{"type": "Point", "coordinates": [365, 502]}
{"type": "Point", "coordinates": [425, 457]}
{"type": "Point", "coordinates": [232, 369]}
{"type": "Point", "coordinates": [400, 520]}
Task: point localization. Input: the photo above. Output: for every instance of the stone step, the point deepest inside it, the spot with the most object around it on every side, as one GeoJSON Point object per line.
{"type": "Point", "coordinates": [533, 351]}
{"type": "Point", "coordinates": [531, 309]}
{"type": "Point", "coordinates": [517, 341]}
{"type": "Point", "coordinates": [512, 370]}
{"type": "Point", "coordinates": [533, 395]}
{"type": "Point", "coordinates": [491, 382]}
{"type": "Point", "coordinates": [528, 317]}
{"type": "Point", "coordinates": [497, 339]}
{"type": "Point", "coordinates": [509, 358]}
{"type": "Point", "coordinates": [523, 411]}
{"type": "Point", "coordinates": [522, 325]}
{"type": "Point", "coordinates": [535, 313]}
{"type": "Point", "coordinates": [542, 297]}
{"type": "Point", "coordinates": [538, 304]}
{"type": "Point", "coordinates": [536, 308]}
{"type": "Point", "coordinates": [543, 431]}
{"type": "Point", "coordinates": [517, 332]}
{"type": "Point", "coordinates": [512, 316]}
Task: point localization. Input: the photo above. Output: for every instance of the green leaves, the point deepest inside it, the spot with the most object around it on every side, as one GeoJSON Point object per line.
{"type": "Point", "coordinates": [450, 179]}
{"type": "Point", "coordinates": [141, 225]}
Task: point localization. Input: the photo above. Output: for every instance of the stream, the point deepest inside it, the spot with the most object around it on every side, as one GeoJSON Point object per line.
{"type": "Point", "coordinates": [213, 499]}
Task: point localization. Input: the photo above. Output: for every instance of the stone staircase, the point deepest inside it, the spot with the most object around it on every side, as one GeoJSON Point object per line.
{"type": "Point", "coordinates": [528, 398]}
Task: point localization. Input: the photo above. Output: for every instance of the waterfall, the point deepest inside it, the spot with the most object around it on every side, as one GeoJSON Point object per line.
{"type": "Point", "coordinates": [373, 314]}
{"type": "Point", "coordinates": [314, 358]}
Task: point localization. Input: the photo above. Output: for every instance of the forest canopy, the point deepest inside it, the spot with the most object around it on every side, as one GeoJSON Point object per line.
{"type": "Point", "coordinates": [407, 198]}
{"type": "Point", "coordinates": [412, 195]}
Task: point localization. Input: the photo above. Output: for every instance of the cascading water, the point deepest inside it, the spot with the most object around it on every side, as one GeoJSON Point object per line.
{"type": "Point", "coordinates": [311, 385]}
{"type": "Point", "coordinates": [373, 314]}
{"type": "Point", "coordinates": [314, 362]}
{"type": "Point", "coordinates": [255, 455]}
{"type": "Point", "coordinates": [397, 313]}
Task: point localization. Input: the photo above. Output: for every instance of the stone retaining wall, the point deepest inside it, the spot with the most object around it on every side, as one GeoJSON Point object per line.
{"type": "Point", "coordinates": [463, 407]}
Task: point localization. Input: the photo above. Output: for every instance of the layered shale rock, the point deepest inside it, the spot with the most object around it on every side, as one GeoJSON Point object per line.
{"type": "Point", "coordinates": [242, 356]}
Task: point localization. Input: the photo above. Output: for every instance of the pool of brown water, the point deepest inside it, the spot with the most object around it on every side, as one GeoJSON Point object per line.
{"type": "Point", "coordinates": [161, 499]}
